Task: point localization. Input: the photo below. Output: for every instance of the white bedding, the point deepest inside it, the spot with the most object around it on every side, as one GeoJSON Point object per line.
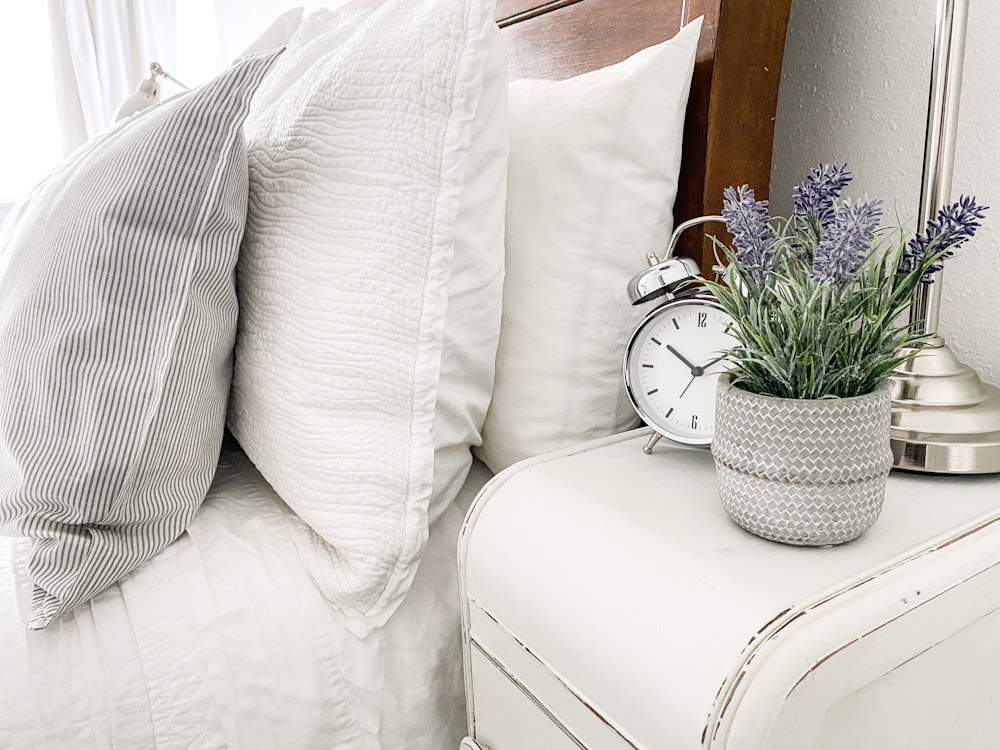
{"type": "Point", "coordinates": [223, 641]}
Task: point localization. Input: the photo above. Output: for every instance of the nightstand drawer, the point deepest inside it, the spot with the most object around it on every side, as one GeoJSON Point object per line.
{"type": "Point", "coordinates": [509, 718]}
{"type": "Point", "coordinates": [496, 651]}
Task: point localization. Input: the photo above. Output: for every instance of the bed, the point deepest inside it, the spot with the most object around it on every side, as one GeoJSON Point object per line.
{"type": "Point", "coordinates": [311, 600]}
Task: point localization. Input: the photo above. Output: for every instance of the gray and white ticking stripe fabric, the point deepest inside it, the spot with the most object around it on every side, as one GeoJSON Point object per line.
{"type": "Point", "coordinates": [117, 321]}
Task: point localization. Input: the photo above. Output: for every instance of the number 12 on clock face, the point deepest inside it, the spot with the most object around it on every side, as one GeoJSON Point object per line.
{"type": "Point", "coordinates": [672, 366]}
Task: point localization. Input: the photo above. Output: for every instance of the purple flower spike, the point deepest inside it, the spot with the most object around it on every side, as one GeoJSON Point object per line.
{"type": "Point", "coordinates": [954, 225]}
{"type": "Point", "coordinates": [814, 197]}
{"type": "Point", "coordinates": [847, 241]}
{"type": "Point", "coordinates": [747, 220]}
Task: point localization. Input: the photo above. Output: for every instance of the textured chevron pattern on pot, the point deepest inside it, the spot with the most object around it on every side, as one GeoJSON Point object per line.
{"type": "Point", "coordinates": [802, 471]}
{"type": "Point", "coordinates": [801, 513]}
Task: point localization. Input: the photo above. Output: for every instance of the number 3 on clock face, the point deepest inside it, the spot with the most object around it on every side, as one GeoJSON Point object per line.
{"type": "Point", "coordinates": [672, 365]}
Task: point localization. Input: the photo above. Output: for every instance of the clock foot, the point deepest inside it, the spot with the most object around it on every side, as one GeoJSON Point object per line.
{"type": "Point", "coordinates": [653, 440]}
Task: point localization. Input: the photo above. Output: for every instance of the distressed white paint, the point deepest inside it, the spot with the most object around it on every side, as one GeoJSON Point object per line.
{"type": "Point", "coordinates": [609, 603]}
{"type": "Point", "coordinates": [854, 86]}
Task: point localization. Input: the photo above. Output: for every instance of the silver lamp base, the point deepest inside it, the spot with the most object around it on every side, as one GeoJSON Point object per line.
{"type": "Point", "coordinates": [945, 420]}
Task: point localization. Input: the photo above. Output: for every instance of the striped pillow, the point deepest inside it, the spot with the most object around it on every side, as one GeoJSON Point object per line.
{"type": "Point", "coordinates": [117, 321]}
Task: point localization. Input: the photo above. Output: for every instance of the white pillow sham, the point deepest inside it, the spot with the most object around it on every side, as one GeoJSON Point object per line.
{"type": "Point", "coordinates": [593, 170]}
{"type": "Point", "coordinates": [277, 34]}
{"type": "Point", "coordinates": [368, 240]}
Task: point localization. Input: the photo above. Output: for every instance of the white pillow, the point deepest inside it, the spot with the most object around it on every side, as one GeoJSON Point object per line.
{"type": "Point", "coordinates": [276, 35]}
{"type": "Point", "coordinates": [475, 290]}
{"type": "Point", "coordinates": [594, 163]}
{"type": "Point", "coordinates": [360, 150]}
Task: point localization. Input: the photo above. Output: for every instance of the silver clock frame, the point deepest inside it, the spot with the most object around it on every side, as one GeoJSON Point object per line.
{"type": "Point", "coordinates": [699, 296]}
{"type": "Point", "coordinates": [663, 277]}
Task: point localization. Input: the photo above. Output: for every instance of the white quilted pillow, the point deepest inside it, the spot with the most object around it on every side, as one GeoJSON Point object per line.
{"type": "Point", "coordinates": [359, 148]}
{"type": "Point", "coordinates": [277, 34]}
{"type": "Point", "coordinates": [594, 163]}
{"type": "Point", "coordinates": [475, 290]}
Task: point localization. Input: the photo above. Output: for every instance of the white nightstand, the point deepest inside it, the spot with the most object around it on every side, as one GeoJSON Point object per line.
{"type": "Point", "coordinates": [610, 604]}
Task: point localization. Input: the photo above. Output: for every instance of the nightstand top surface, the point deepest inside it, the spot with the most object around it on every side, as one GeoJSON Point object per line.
{"type": "Point", "coordinates": [630, 559]}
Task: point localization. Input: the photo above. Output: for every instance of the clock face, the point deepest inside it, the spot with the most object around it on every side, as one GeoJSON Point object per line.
{"type": "Point", "coordinates": [672, 365]}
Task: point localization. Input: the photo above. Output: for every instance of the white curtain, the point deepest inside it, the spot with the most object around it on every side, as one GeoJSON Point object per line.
{"type": "Point", "coordinates": [101, 50]}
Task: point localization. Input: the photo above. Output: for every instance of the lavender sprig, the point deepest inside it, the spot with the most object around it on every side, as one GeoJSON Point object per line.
{"type": "Point", "coordinates": [847, 240]}
{"type": "Point", "coordinates": [828, 322]}
{"type": "Point", "coordinates": [953, 226]}
{"type": "Point", "coordinates": [814, 197]}
{"type": "Point", "coordinates": [747, 220]}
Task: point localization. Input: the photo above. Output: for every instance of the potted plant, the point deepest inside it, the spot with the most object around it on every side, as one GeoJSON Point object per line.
{"type": "Point", "coordinates": [802, 417]}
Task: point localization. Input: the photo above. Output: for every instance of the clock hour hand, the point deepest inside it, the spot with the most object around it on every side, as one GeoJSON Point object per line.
{"type": "Point", "coordinates": [695, 370]}
{"type": "Point", "coordinates": [717, 359]}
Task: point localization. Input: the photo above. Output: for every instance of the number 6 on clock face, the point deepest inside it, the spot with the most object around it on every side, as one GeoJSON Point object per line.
{"type": "Point", "coordinates": [672, 365]}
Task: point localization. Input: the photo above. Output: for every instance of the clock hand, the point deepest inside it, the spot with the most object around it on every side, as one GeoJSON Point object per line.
{"type": "Point", "coordinates": [693, 378]}
{"type": "Point", "coordinates": [717, 359]}
{"type": "Point", "coordinates": [695, 370]}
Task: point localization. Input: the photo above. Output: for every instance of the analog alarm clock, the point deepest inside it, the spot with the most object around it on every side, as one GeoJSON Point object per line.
{"type": "Point", "coordinates": [675, 356]}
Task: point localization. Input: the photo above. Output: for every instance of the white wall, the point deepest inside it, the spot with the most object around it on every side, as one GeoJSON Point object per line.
{"type": "Point", "coordinates": [854, 86]}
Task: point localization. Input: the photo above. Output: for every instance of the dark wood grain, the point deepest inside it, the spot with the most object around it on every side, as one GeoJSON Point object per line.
{"type": "Point", "coordinates": [570, 37]}
{"type": "Point", "coordinates": [729, 128]}
{"type": "Point", "coordinates": [511, 11]}
{"type": "Point", "coordinates": [743, 98]}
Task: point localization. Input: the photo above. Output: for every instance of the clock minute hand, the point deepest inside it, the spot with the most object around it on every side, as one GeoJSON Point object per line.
{"type": "Point", "coordinates": [695, 370]}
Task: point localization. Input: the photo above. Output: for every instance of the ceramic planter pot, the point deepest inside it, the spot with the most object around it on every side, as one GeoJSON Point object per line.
{"type": "Point", "coordinates": [802, 471]}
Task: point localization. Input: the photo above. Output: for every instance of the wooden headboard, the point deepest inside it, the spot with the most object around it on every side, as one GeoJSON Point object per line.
{"type": "Point", "coordinates": [734, 93]}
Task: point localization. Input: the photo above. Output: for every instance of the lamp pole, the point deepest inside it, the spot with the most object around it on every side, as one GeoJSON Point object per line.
{"type": "Point", "coordinates": [939, 146]}
{"type": "Point", "coordinates": [944, 418]}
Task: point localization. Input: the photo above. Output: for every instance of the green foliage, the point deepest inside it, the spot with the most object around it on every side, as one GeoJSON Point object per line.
{"type": "Point", "coordinates": [803, 338]}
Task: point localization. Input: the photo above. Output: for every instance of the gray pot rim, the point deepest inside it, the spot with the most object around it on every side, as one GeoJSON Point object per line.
{"type": "Point", "coordinates": [726, 381]}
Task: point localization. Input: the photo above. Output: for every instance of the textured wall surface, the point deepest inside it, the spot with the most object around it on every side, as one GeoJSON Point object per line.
{"type": "Point", "coordinates": [854, 87]}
